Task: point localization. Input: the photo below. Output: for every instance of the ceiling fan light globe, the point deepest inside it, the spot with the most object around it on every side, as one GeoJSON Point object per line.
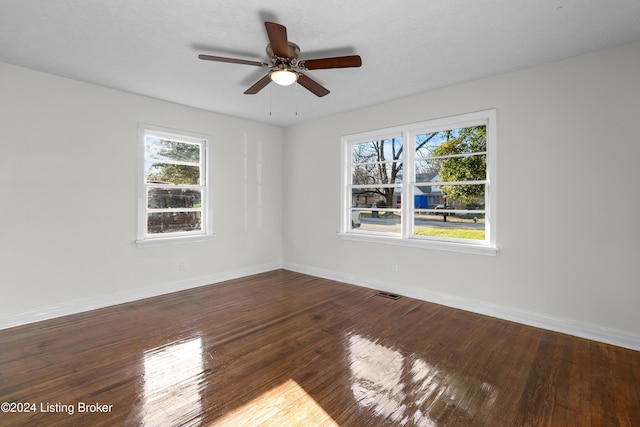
{"type": "Point", "coordinates": [284, 77]}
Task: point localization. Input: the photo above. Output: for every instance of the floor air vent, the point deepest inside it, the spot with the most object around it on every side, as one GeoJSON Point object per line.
{"type": "Point", "coordinates": [387, 295]}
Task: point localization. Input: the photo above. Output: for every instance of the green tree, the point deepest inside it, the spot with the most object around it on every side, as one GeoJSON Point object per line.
{"type": "Point", "coordinates": [464, 160]}
{"type": "Point", "coordinates": [173, 162]}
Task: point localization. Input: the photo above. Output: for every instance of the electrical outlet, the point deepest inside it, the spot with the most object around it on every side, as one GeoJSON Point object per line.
{"type": "Point", "coordinates": [182, 265]}
{"type": "Point", "coordinates": [394, 266]}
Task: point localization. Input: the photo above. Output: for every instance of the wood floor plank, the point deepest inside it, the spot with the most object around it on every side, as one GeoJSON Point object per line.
{"type": "Point", "coordinates": [283, 348]}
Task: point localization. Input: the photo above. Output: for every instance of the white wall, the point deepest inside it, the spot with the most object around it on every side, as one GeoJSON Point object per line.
{"type": "Point", "coordinates": [68, 192]}
{"type": "Point", "coordinates": [567, 208]}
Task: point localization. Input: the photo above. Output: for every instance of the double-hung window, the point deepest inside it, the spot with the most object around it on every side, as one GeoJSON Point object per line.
{"type": "Point", "coordinates": [428, 184]}
{"type": "Point", "coordinates": [173, 202]}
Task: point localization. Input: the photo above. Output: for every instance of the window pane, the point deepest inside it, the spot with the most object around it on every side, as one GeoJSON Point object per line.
{"type": "Point", "coordinates": [466, 167]}
{"type": "Point", "coordinates": [172, 198]}
{"type": "Point", "coordinates": [446, 225]}
{"type": "Point", "coordinates": [426, 143]}
{"type": "Point", "coordinates": [386, 150]}
{"type": "Point", "coordinates": [171, 222]}
{"type": "Point", "coordinates": [168, 173]}
{"type": "Point", "coordinates": [381, 221]}
{"type": "Point", "coordinates": [463, 196]}
{"type": "Point", "coordinates": [427, 170]}
{"type": "Point", "coordinates": [443, 217]}
{"type": "Point", "coordinates": [159, 149]}
{"type": "Point", "coordinates": [427, 197]}
{"type": "Point", "coordinates": [378, 173]}
{"type": "Point", "coordinates": [455, 141]}
{"type": "Point", "coordinates": [386, 197]}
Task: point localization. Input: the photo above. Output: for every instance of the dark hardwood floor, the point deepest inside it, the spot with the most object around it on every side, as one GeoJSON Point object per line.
{"type": "Point", "coordinates": [283, 348]}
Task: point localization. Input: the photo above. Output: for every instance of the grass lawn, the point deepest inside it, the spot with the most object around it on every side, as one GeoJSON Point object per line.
{"type": "Point", "coordinates": [458, 233]}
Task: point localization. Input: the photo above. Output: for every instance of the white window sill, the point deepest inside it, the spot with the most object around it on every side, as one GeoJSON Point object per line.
{"type": "Point", "coordinates": [177, 240]}
{"type": "Point", "coordinates": [419, 243]}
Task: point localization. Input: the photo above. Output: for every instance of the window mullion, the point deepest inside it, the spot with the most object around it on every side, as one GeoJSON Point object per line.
{"type": "Point", "coordinates": [374, 185]}
{"type": "Point", "coordinates": [159, 210]}
{"type": "Point", "coordinates": [408, 184]}
{"type": "Point", "coordinates": [177, 162]}
{"type": "Point", "coordinates": [476, 182]}
{"type": "Point", "coordinates": [347, 186]}
{"type": "Point", "coordinates": [453, 156]}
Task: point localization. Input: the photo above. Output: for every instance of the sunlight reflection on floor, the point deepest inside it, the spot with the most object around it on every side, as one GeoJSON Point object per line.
{"type": "Point", "coordinates": [172, 378]}
{"type": "Point", "coordinates": [386, 383]}
{"type": "Point", "coordinates": [285, 405]}
{"type": "Point", "coordinates": [404, 388]}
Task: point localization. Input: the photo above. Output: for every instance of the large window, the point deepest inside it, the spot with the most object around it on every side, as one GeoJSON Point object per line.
{"type": "Point", "coordinates": [173, 199]}
{"type": "Point", "coordinates": [428, 184]}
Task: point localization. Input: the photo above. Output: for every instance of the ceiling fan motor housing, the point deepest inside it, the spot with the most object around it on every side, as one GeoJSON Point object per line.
{"type": "Point", "coordinates": [292, 60]}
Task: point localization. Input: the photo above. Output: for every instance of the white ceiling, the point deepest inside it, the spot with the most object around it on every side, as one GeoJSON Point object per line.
{"type": "Point", "coordinates": [150, 47]}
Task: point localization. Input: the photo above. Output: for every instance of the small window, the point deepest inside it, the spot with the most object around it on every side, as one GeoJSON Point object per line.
{"type": "Point", "coordinates": [429, 184]}
{"type": "Point", "coordinates": [173, 200]}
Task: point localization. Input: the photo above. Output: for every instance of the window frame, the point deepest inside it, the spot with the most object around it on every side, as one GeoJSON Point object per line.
{"type": "Point", "coordinates": [408, 133]}
{"type": "Point", "coordinates": [145, 239]}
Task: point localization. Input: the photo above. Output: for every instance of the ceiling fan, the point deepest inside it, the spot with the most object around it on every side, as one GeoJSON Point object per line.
{"type": "Point", "coordinates": [286, 65]}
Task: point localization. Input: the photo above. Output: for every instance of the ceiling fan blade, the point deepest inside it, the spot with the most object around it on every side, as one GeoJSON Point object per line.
{"type": "Point", "coordinates": [312, 85]}
{"type": "Point", "coordinates": [278, 37]}
{"type": "Point", "coordinates": [258, 86]}
{"type": "Point", "coordinates": [335, 62]}
{"type": "Point", "coordinates": [232, 60]}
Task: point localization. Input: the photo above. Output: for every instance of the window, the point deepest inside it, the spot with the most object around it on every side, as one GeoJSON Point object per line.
{"type": "Point", "coordinates": [428, 184]}
{"type": "Point", "coordinates": [173, 191]}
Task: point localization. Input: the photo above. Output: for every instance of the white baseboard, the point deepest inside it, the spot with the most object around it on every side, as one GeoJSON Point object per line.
{"type": "Point", "coordinates": [565, 326]}
{"type": "Point", "coordinates": [78, 306]}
